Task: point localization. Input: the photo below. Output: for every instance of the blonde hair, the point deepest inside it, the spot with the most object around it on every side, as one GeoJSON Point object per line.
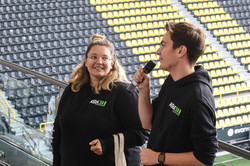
{"type": "Point", "coordinates": [80, 74]}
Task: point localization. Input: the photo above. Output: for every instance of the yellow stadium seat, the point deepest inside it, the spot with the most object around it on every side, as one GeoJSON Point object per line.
{"type": "Point", "coordinates": [234, 101]}
{"type": "Point", "coordinates": [245, 99]}
{"type": "Point", "coordinates": [245, 119]}
{"type": "Point", "coordinates": [225, 80]}
{"type": "Point", "coordinates": [248, 107]}
{"type": "Point", "coordinates": [154, 57]}
{"type": "Point", "coordinates": [161, 81]}
{"type": "Point", "coordinates": [237, 110]}
{"type": "Point", "coordinates": [222, 123]}
{"type": "Point", "coordinates": [231, 111]}
{"type": "Point", "coordinates": [228, 122]}
{"type": "Point", "coordinates": [226, 112]}
{"type": "Point", "coordinates": [217, 104]}
{"type": "Point", "coordinates": [234, 121]}
{"type": "Point", "coordinates": [215, 82]}
{"type": "Point", "coordinates": [220, 114]}
{"type": "Point", "coordinates": [217, 125]}
{"type": "Point", "coordinates": [243, 109]}
{"type": "Point", "coordinates": [233, 88]}
{"type": "Point", "coordinates": [216, 91]}
{"type": "Point", "coordinates": [239, 120]}
{"type": "Point", "coordinates": [155, 73]}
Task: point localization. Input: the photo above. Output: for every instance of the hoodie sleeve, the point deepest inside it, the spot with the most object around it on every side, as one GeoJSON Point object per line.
{"type": "Point", "coordinates": [56, 140]}
{"type": "Point", "coordinates": [203, 131]}
{"type": "Point", "coordinates": [127, 106]}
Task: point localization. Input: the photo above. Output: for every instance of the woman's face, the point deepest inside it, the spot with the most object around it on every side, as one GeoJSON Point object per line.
{"type": "Point", "coordinates": [99, 62]}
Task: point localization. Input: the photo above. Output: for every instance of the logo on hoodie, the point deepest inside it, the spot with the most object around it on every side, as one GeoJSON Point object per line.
{"type": "Point", "coordinates": [175, 109]}
{"type": "Point", "coordinates": [98, 102]}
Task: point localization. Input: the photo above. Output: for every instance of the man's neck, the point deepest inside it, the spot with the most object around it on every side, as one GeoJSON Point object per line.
{"type": "Point", "coordinates": [182, 71]}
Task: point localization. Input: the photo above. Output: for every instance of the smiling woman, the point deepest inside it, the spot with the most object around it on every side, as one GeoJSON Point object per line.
{"type": "Point", "coordinates": [99, 63]}
{"type": "Point", "coordinates": [94, 106]}
{"type": "Point", "coordinates": [100, 66]}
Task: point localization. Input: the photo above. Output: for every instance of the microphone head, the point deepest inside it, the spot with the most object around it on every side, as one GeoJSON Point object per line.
{"type": "Point", "coordinates": [149, 67]}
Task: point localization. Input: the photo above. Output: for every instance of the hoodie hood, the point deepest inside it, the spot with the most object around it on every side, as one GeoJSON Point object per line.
{"type": "Point", "coordinates": [200, 75]}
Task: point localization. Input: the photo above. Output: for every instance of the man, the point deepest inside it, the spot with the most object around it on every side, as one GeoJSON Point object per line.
{"type": "Point", "coordinates": [182, 117]}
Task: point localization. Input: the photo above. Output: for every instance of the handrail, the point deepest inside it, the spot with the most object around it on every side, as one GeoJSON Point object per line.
{"type": "Point", "coordinates": [8, 114]}
{"type": "Point", "coordinates": [223, 145]}
{"type": "Point", "coordinates": [33, 73]}
{"type": "Point", "coordinates": [45, 126]}
{"type": "Point", "coordinates": [234, 149]}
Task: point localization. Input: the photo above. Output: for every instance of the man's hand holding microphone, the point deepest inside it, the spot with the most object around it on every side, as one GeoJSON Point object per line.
{"type": "Point", "coordinates": [141, 78]}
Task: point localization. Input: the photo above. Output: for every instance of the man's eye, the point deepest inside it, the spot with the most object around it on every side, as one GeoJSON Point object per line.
{"type": "Point", "coordinates": [93, 57]}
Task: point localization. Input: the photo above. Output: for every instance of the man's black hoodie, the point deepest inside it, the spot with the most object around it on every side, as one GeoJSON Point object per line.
{"type": "Point", "coordinates": [184, 117]}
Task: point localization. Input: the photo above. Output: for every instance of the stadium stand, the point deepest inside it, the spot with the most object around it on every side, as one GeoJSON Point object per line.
{"type": "Point", "coordinates": [50, 37]}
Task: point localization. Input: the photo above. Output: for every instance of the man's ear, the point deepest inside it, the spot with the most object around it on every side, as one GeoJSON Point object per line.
{"type": "Point", "coordinates": [182, 50]}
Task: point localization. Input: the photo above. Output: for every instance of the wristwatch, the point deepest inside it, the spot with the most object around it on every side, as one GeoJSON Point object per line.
{"type": "Point", "coordinates": [161, 158]}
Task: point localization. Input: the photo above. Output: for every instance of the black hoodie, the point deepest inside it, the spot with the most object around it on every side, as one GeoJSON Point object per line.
{"type": "Point", "coordinates": [84, 116]}
{"type": "Point", "coordinates": [184, 117]}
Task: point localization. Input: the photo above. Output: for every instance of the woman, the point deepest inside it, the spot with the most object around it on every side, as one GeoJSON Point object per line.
{"type": "Point", "coordinates": [94, 106]}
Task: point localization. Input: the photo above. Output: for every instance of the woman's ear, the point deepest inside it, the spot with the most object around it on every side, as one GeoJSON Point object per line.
{"type": "Point", "coordinates": [113, 65]}
{"type": "Point", "coordinates": [84, 61]}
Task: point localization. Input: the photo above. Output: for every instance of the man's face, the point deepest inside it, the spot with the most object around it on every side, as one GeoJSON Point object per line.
{"type": "Point", "coordinates": [167, 54]}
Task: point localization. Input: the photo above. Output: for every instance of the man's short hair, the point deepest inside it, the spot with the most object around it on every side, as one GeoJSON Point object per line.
{"type": "Point", "coordinates": [189, 35]}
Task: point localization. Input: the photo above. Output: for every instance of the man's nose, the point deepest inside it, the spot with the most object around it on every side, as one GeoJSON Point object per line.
{"type": "Point", "coordinates": [158, 52]}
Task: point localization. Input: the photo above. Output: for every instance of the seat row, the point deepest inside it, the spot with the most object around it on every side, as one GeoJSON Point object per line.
{"type": "Point", "coordinates": [146, 18]}
{"type": "Point", "coordinates": [155, 28]}
{"type": "Point", "coordinates": [233, 121]}
{"type": "Point", "coordinates": [193, 1]}
{"type": "Point", "coordinates": [202, 5]}
{"type": "Point", "coordinates": [245, 60]}
{"type": "Point", "coordinates": [209, 11]}
{"type": "Point", "coordinates": [238, 45]}
{"type": "Point", "coordinates": [222, 24]}
{"type": "Point", "coordinates": [240, 15]}
{"type": "Point", "coordinates": [233, 38]}
{"type": "Point", "coordinates": [233, 101]}
{"type": "Point", "coordinates": [226, 3]}
{"type": "Point", "coordinates": [228, 80]}
{"type": "Point", "coordinates": [241, 52]}
{"type": "Point", "coordinates": [100, 6]}
{"type": "Point", "coordinates": [210, 57]}
{"type": "Point", "coordinates": [233, 88]}
{"type": "Point", "coordinates": [213, 18]}
{"type": "Point", "coordinates": [228, 31]}
{"type": "Point", "coordinates": [227, 71]}
{"type": "Point", "coordinates": [141, 11]}
{"type": "Point", "coordinates": [236, 8]}
{"type": "Point", "coordinates": [232, 111]}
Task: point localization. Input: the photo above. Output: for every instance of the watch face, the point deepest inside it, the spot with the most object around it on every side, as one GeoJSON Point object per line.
{"type": "Point", "coordinates": [161, 157]}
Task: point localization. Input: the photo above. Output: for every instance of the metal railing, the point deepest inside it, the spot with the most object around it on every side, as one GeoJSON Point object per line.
{"type": "Point", "coordinates": [223, 145]}
{"type": "Point", "coordinates": [32, 73]}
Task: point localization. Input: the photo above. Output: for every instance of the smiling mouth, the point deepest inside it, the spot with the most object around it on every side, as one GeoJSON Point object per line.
{"type": "Point", "coordinates": [98, 68]}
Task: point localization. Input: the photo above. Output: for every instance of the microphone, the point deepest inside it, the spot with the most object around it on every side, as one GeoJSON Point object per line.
{"type": "Point", "coordinates": [147, 69]}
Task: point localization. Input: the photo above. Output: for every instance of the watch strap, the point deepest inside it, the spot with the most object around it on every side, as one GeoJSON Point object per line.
{"type": "Point", "coordinates": [161, 158]}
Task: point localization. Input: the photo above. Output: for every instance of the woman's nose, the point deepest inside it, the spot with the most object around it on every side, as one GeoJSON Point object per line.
{"type": "Point", "coordinates": [99, 60]}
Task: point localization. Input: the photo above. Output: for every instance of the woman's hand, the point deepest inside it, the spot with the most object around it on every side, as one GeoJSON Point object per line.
{"type": "Point", "coordinates": [96, 146]}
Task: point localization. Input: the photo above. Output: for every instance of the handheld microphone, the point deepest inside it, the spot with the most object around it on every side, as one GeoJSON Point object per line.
{"type": "Point", "coordinates": [147, 69]}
